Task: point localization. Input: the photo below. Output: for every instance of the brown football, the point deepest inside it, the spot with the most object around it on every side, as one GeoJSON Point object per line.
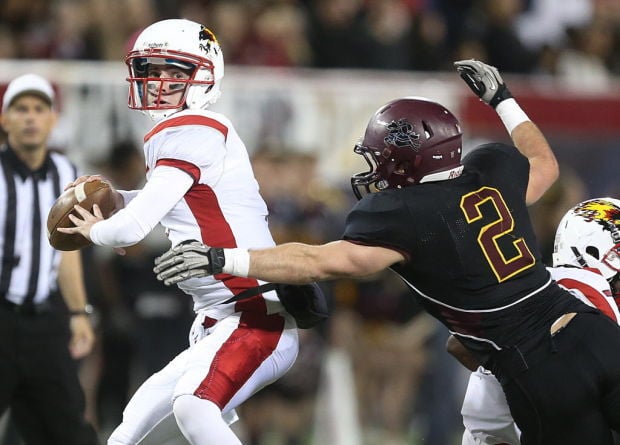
{"type": "Point", "coordinates": [85, 194]}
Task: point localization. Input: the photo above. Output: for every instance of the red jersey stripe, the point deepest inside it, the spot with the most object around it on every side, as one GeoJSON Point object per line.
{"type": "Point", "coordinates": [215, 231]}
{"type": "Point", "coordinates": [592, 294]}
{"type": "Point", "coordinates": [250, 344]}
{"type": "Point", "coordinates": [188, 120]}
{"type": "Point", "coordinates": [187, 167]}
{"type": "Point", "coordinates": [257, 335]}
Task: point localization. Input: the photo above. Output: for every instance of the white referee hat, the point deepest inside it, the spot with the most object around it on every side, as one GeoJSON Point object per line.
{"type": "Point", "coordinates": [27, 84]}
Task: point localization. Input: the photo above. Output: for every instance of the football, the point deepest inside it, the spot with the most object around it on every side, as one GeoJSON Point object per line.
{"type": "Point", "coordinates": [86, 194]}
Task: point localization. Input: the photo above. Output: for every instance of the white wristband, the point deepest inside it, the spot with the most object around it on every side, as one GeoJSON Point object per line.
{"type": "Point", "coordinates": [511, 114]}
{"type": "Point", "coordinates": [237, 262]}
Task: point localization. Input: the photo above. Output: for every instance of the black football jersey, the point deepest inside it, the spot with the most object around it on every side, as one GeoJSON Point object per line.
{"type": "Point", "coordinates": [472, 257]}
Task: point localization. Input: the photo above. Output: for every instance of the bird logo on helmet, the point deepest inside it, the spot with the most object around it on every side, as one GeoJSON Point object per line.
{"type": "Point", "coordinates": [211, 43]}
{"type": "Point", "coordinates": [602, 212]}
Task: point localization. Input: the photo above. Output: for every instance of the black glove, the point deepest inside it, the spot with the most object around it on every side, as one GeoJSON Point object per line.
{"type": "Point", "coordinates": [189, 259]}
{"type": "Point", "coordinates": [484, 80]}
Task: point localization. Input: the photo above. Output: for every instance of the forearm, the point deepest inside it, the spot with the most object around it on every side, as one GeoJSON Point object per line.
{"type": "Point", "coordinates": [144, 210]}
{"type": "Point", "coordinates": [544, 168]}
{"type": "Point", "coordinates": [532, 144]}
{"type": "Point", "coordinates": [122, 229]}
{"type": "Point", "coordinates": [298, 263]}
{"type": "Point", "coordinates": [71, 281]}
{"type": "Point", "coordinates": [293, 263]}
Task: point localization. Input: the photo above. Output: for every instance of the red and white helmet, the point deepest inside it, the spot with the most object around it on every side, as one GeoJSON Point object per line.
{"type": "Point", "coordinates": [589, 236]}
{"type": "Point", "coordinates": [408, 141]}
{"type": "Point", "coordinates": [182, 43]}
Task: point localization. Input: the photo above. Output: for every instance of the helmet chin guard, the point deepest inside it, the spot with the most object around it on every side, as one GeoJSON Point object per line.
{"type": "Point", "coordinates": [180, 43]}
{"type": "Point", "coordinates": [408, 141]}
{"type": "Point", "coordinates": [589, 236]}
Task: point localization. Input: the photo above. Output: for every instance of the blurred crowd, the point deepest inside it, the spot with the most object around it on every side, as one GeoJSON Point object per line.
{"type": "Point", "coordinates": [556, 37]}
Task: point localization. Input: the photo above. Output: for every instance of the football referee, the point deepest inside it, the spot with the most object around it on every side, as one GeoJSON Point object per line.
{"type": "Point", "coordinates": [40, 335]}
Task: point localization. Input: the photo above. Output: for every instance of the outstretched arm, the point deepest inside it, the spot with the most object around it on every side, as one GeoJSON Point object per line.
{"type": "Point", "coordinates": [486, 82]}
{"type": "Point", "coordinates": [303, 263]}
{"type": "Point", "coordinates": [293, 263]}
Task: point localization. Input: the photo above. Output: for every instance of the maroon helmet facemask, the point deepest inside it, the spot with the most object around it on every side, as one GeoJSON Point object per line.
{"type": "Point", "coordinates": [405, 141]}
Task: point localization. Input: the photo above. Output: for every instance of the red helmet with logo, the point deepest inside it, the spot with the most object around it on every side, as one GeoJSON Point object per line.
{"type": "Point", "coordinates": [408, 141]}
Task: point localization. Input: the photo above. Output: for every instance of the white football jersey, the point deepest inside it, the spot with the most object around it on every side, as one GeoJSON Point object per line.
{"type": "Point", "coordinates": [221, 208]}
{"type": "Point", "coordinates": [589, 286]}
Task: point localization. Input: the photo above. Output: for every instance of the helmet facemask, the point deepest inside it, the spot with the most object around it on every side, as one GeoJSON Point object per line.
{"type": "Point", "coordinates": [150, 92]}
{"type": "Point", "coordinates": [370, 181]}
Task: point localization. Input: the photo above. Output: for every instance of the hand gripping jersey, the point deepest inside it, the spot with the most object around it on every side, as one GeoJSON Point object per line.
{"type": "Point", "coordinates": [486, 415]}
{"type": "Point", "coordinates": [472, 258]}
{"type": "Point", "coordinates": [223, 206]}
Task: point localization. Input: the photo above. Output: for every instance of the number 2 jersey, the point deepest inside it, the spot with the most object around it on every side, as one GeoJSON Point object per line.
{"type": "Point", "coordinates": [472, 259]}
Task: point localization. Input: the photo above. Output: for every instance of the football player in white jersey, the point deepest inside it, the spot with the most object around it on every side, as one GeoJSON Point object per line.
{"type": "Point", "coordinates": [586, 262]}
{"type": "Point", "coordinates": [200, 186]}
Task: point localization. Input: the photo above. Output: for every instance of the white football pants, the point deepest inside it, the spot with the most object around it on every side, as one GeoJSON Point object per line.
{"type": "Point", "coordinates": [224, 365]}
{"type": "Point", "coordinates": [485, 411]}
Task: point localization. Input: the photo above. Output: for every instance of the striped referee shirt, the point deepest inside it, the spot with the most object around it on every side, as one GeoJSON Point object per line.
{"type": "Point", "coordinates": [29, 266]}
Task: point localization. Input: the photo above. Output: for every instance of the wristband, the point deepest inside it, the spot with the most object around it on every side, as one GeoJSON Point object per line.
{"type": "Point", "coordinates": [237, 262]}
{"type": "Point", "coordinates": [511, 114]}
{"type": "Point", "coordinates": [87, 310]}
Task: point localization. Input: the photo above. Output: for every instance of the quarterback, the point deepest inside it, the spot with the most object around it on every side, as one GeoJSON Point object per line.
{"type": "Point", "coordinates": [200, 185]}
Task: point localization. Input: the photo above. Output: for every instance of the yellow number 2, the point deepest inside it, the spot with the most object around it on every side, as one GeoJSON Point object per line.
{"type": "Point", "coordinates": [504, 265]}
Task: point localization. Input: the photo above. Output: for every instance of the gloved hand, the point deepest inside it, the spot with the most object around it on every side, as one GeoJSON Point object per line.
{"type": "Point", "coordinates": [484, 80]}
{"type": "Point", "coordinates": [189, 259]}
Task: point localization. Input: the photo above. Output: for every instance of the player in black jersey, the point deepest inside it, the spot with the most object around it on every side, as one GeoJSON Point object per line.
{"type": "Point", "coordinates": [459, 235]}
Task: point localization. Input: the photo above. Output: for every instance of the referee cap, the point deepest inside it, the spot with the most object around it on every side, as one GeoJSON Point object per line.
{"type": "Point", "coordinates": [27, 84]}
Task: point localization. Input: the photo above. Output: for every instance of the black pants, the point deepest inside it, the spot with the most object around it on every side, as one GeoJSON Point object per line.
{"type": "Point", "coordinates": [566, 390]}
{"type": "Point", "coordinates": [38, 380]}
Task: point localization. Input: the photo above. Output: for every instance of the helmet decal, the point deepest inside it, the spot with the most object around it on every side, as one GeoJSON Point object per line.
{"type": "Point", "coordinates": [602, 212]}
{"type": "Point", "coordinates": [401, 134]}
{"type": "Point", "coordinates": [589, 236]}
{"type": "Point", "coordinates": [210, 41]}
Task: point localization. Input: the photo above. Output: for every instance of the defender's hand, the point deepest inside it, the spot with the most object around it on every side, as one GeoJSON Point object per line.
{"type": "Point", "coordinates": [189, 259]}
{"type": "Point", "coordinates": [484, 80]}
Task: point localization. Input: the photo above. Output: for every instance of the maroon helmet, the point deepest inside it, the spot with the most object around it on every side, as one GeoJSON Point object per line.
{"type": "Point", "coordinates": [407, 140]}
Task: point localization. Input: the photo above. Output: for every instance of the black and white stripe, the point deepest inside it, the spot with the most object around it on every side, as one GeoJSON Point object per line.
{"type": "Point", "coordinates": [29, 266]}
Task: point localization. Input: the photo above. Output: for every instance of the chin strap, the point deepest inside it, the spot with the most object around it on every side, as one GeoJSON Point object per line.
{"type": "Point", "coordinates": [579, 257]}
